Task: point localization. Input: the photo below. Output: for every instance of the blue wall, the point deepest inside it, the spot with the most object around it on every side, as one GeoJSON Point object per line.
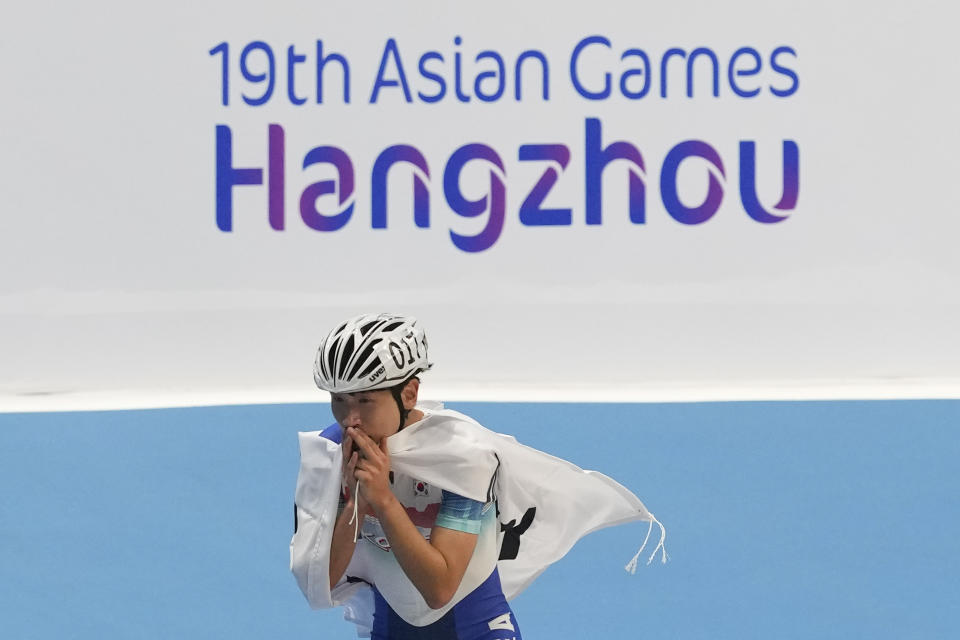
{"type": "Point", "coordinates": [784, 520]}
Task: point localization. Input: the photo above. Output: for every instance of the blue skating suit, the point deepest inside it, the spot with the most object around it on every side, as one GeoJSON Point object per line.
{"type": "Point", "coordinates": [482, 614]}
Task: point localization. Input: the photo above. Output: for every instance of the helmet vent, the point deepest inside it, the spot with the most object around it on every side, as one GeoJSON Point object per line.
{"type": "Point", "coordinates": [365, 329]}
{"type": "Point", "coordinates": [371, 368]}
{"type": "Point", "coordinates": [360, 360]}
{"type": "Point", "coordinates": [345, 356]}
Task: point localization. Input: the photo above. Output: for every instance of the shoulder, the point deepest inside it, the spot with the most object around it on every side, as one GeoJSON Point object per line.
{"type": "Point", "coordinates": [458, 423]}
{"type": "Point", "coordinates": [334, 433]}
{"type": "Point", "coordinates": [449, 450]}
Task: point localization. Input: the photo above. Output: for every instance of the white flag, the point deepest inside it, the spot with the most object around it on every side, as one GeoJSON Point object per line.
{"type": "Point", "coordinates": [544, 503]}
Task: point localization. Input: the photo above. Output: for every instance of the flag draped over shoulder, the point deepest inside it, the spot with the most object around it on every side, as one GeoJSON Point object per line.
{"type": "Point", "coordinates": [544, 503]}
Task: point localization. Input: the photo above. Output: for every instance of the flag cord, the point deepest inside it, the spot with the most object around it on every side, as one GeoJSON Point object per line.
{"type": "Point", "coordinates": [354, 519]}
{"type": "Point", "coordinates": [631, 566]}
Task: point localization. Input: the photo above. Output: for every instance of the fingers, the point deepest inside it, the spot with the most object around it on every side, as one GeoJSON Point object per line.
{"type": "Point", "coordinates": [350, 460]}
{"type": "Point", "coordinates": [358, 438]}
{"type": "Point", "coordinates": [363, 442]}
{"type": "Point", "coordinates": [351, 457]}
{"type": "Point", "coordinates": [366, 477]}
{"type": "Point", "coordinates": [351, 465]}
{"type": "Point", "coordinates": [351, 445]}
{"type": "Point", "coordinates": [363, 468]}
{"type": "Point", "coordinates": [372, 463]}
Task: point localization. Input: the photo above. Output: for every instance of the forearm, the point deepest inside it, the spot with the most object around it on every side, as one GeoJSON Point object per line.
{"type": "Point", "coordinates": [425, 565]}
{"type": "Point", "coordinates": [436, 567]}
{"type": "Point", "coordinates": [341, 546]}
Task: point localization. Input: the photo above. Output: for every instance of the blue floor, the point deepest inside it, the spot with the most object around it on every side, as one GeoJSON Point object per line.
{"type": "Point", "coordinates": [784, 520]}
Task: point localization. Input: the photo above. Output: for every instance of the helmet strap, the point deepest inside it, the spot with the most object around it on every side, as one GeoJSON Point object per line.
{"type": "Point", "coordinates": [397, 391]}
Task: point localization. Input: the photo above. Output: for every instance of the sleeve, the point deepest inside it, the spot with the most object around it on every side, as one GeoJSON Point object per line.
{"type": "Point", "coordinates": [459, 513]}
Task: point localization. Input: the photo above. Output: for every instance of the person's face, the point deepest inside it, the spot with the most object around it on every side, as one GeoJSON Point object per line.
{"type": "Point", "coordinates": [373, 412]}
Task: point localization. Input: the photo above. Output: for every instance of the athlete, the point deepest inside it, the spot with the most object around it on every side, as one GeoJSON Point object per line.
{"type": "Point", "coordinates": [429, 554]}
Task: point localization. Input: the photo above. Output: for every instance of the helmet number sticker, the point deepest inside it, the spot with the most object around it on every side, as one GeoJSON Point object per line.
{"type": "Point", "coordinates": [396, 351]}
{"type": "Point", "coordinates": [397, 354]}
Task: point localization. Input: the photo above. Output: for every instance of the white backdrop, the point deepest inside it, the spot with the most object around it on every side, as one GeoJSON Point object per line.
{"type": "Point", "coordinates": [119, 288]}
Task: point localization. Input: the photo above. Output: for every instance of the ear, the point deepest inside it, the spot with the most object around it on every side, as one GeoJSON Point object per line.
{"type": "Point", "coordinates": [409, 393]}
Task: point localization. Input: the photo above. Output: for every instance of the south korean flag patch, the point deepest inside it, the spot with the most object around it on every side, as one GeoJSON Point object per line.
{"type": "Point", "coordinates": [421, 495]}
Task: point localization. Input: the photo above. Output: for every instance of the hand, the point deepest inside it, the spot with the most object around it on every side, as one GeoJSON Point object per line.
{"type": "Point", "coordinates": [348, 479]}
{"type": "Point", "coordinates": [372, 469]}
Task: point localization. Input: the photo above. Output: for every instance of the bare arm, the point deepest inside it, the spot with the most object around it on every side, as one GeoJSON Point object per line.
{"type": "Point", "coordinates": [436, 567]}
{"type": "Point", "coordinates": [343, 543]}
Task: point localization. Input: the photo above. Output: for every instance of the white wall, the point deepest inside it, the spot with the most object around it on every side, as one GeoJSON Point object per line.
{"type": "Point", "coordinates": [118, 287]}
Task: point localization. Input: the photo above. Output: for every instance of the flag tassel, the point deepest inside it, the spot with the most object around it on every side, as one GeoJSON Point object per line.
{"type": "Point", "coordinates": [631, 567]}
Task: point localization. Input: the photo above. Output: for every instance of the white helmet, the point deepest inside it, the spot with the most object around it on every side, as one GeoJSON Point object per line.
{"type": "Point", "coordinates": [371, 351]}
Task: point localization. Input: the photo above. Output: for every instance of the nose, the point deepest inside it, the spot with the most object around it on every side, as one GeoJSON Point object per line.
{"type": "Point", "coordinates": [351, 419]}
